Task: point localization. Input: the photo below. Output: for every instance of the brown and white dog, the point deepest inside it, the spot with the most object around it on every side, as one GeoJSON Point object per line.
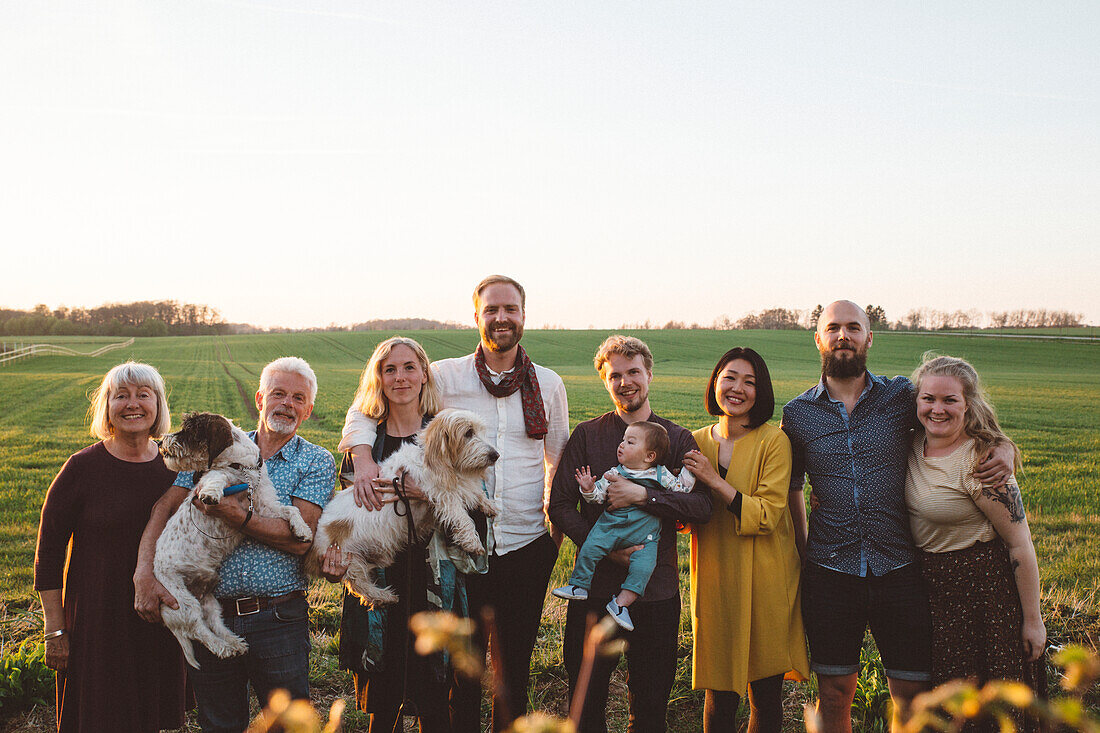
{"type": "Point", "coordinates": [448, 461]}
{"type": "Point", "coordinates": [193, 545]}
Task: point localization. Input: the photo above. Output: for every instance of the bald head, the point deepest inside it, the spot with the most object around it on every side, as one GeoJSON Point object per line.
{"type": "Point", "coordinates": [843, 337]}
{"type": "Point", "coordinates": [841, 312]}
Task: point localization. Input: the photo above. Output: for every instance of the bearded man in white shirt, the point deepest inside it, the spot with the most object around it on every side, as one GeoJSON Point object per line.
{"type": "Point", "coordinates": [525, 408]}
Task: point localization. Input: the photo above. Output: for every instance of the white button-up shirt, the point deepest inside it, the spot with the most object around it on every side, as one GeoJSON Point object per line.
{"type": "Point", "coordinates": [519, 482]}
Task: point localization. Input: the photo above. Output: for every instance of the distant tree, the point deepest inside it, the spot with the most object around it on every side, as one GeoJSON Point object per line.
{"type": "Point", "coordinates": [815, 314]}
{"type": "Point", "coordinates": [877, 315]}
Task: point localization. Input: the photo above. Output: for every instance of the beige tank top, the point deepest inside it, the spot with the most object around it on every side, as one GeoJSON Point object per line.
{"type": "Point", "coordinates": [940, 495]}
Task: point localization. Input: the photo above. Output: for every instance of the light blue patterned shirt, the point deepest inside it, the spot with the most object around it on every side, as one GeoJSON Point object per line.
{"type": "Point", "coordinates": [299, 469]}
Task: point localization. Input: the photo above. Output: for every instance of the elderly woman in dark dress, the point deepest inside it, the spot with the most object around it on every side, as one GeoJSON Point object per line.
{"type": "Point", "coordinates": [115, 672]}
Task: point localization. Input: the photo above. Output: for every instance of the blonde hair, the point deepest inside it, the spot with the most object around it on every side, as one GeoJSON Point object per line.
{"type": "Point", "coordinates": [980, 422]}
{"type": "Point", "coordinates": [625, 346]}
{"type": "Point", "coordinates": [132, 373]}
{"type": "Point", "coordinates": [369, 398]}
{"type": "Point", "coordinates": [498, 280]}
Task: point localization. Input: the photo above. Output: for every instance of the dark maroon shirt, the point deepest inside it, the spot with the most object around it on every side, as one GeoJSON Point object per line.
{"type": "Point", "coordinates": [593, 443]}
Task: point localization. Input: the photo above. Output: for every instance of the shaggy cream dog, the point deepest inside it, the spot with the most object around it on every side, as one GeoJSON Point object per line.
{"type": "Point", "coordinates": [193, 545]}
{"type": "Point", "coordinates": [448, 461]}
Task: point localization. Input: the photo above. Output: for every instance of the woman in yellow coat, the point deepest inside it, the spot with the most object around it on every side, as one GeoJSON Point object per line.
{"type": "Point", "coordinates": [744, 565]}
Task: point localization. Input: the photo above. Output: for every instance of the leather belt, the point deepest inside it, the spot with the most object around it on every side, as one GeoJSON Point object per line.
{"type": "Point", "coordinates": [248, 605]}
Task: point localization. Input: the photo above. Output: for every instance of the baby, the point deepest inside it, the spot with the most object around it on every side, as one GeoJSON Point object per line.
{"type": "Point", "coordinates": [644, 446]}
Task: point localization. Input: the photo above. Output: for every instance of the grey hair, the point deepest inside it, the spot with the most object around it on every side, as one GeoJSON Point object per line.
{"type": "Point", "coordinates": [132, 373]}
{"type": "Point", "coordinates": [290, 365]}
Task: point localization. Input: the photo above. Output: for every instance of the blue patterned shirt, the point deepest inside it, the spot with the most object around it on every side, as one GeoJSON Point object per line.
{"type": "Point", "coordinates": [856, 465]}
{"type": "Point", "coordinates": [299, 469]}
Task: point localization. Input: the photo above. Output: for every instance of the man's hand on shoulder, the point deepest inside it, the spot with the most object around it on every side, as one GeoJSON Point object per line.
{"type": "Point", "coordinates": [995, 467]}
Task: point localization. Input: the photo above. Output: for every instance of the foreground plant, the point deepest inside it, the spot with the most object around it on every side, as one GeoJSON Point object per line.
{"type": "Point", "coordinates": [952, 705]}
{"type": "Point", "coordinates": [295, 716]}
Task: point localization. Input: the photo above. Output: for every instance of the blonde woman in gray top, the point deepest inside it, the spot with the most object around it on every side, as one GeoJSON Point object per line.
{"type": "Point", "coordinates": [977, 556]}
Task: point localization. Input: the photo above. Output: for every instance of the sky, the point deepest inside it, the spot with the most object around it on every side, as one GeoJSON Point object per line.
{"type": "Point", "coordinates": [299, 163]}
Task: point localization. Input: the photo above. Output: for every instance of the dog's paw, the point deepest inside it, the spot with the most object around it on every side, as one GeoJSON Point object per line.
{"type": "Point", "coordinates": [489, 510]}
{"type": "Point", "coordinates": [231, 646]}
{"type": "Point", "coordinates": [385, 596]}
{"type": "Point", "coordinates": [470, 543]}
{"type": "Point", "coordinates": [209, 495]}
{"type": "Point", "coordinates": [303, 535]}
{"type": "Point", "coordinates": [236, 646]}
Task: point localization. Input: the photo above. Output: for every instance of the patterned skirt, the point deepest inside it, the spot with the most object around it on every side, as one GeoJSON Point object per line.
{"type": "Point", "coordinates": [977, 619]}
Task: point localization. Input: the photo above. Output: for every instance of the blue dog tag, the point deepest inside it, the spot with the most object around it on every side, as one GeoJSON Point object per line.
{"type": "Point", "coordinates": [234, 489]}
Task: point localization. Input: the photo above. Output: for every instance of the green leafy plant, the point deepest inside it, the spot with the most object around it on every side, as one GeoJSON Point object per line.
{"type": "Point", "coordinates": [25, 680]}
{"type": "Point", "coordinates": [871, 704]}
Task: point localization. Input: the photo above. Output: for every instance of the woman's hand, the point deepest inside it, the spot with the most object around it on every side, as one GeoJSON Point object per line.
{"type": "Point", "coordinates": [1034, 636]}
{"type": "Point", "coordinates": [704, 472]}
{"type": "Point", "coordinates": [366, 471]}
{"type": "Point", "coordinates": [384, 488]}
{"type": "Point", "coordinates": [57, 653]}
{"type": "Point", "coordinates": [335, 564]}
{"type": "Point", "coordinates": [149, 594]}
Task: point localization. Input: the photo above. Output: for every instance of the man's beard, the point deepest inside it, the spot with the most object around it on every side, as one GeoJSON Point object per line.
{"type": "Point", "coordinates": [281, 424]}
{"type": "Point", "coordinates": [632, 403]}
{"type": "Point", "coordinates": [500, 340]}
{"type": "Point", "coordinates": [837, 367]}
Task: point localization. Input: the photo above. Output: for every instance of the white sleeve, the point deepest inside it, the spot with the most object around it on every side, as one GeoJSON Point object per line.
{"type": "Point", "coordinates": [557, 435]}
{"type": "Point", "coordinates": [683, 483]}
{"type": "Point", "coordinates": [599, 492]}
{"type": "Point", "coordinates": [358, 430]}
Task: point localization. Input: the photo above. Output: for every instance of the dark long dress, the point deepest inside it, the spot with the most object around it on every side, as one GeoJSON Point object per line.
{"type": "Point", "coordinates": [378, 691]}
{"type": "Point", "coordinates": [123, 674]}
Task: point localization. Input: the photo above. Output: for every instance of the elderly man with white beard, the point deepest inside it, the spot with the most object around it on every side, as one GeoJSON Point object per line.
{"type": "Point", "coordinates": [261, 585]}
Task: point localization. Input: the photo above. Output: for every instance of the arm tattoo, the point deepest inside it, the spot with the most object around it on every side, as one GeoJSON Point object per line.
{"type": "Point", "coordinates": [1010, 497]}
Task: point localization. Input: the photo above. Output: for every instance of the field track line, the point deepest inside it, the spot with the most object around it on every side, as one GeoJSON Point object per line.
{"type": "Point", "coordinates": [339, 346]}
{"type": "Point", "coordinates": [246, 396]}
{"type": "Point", "coordinates": [230, 355]}
{"type": "Point", "coordinates": [57, 350]}
{"type": "Point", "coordinates": [1050, 337]}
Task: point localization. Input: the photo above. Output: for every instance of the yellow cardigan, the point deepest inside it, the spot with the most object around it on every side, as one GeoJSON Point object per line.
{"type": "Point", "coordinates": [745, 605]}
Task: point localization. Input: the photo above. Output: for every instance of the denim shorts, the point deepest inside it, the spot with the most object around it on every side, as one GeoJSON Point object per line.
{"type": "Point", "coordinates": [837, 608]}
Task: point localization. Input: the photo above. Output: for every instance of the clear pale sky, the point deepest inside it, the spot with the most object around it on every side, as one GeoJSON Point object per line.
{"type": "Point", "coordinates": [304, 163]}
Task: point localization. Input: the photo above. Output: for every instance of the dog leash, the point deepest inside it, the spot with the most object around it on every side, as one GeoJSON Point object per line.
{"type": "Point", "coordinates": [228, 492]}
{"type": "Point", "coordinates": [410, 523]}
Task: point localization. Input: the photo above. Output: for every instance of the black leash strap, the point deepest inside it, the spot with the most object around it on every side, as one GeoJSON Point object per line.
{"type": "Point", "coordinates": [410, 523]}
{"type": "Point", "coordinates": [191, 508]}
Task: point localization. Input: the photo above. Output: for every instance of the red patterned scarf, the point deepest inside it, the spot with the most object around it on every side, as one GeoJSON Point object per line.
{"type": "Point", "coordinates": [523, 378]}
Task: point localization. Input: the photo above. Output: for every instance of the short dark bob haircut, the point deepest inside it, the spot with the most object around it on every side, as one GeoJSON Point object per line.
{"type": "Point", "coordinates": [764, 407]}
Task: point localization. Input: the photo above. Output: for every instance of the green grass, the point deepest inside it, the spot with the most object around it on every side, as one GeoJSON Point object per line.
{"type": "Point", "coordinates": [1047, 393]}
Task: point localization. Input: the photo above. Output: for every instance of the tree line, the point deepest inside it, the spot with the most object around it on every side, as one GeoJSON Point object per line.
{"type": "Point", "coordinates": [143, 318]}
{"type": "Point", "coordinates": [918, 319]}
{"type": "Point", "coordinates": [172, 318]}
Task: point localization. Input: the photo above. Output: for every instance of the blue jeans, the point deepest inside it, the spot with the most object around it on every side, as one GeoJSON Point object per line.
{"type": "Point", "coordinates": [277, 657]}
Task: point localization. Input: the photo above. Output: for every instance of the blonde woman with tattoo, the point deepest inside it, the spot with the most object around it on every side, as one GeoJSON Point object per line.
{"type": "Point", "coordinates": [977, 556]}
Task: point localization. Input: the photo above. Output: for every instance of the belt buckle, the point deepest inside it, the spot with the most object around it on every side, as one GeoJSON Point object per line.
{"type": "Point", "coordinates": [247, 606]}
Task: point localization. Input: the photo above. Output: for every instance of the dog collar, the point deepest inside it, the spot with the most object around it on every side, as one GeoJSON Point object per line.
{"type": "Point", "coordinates": [234, 489]}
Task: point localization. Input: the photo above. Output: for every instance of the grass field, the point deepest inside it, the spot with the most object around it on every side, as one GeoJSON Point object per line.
{"type": "Point", "coordinates": [1047, 394]}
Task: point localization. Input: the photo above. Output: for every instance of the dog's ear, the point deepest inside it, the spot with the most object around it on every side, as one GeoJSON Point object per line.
{"type": "Point", "coordinates": [433, 439]}
{"type": "Point", "coordinates": [214, 432]}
